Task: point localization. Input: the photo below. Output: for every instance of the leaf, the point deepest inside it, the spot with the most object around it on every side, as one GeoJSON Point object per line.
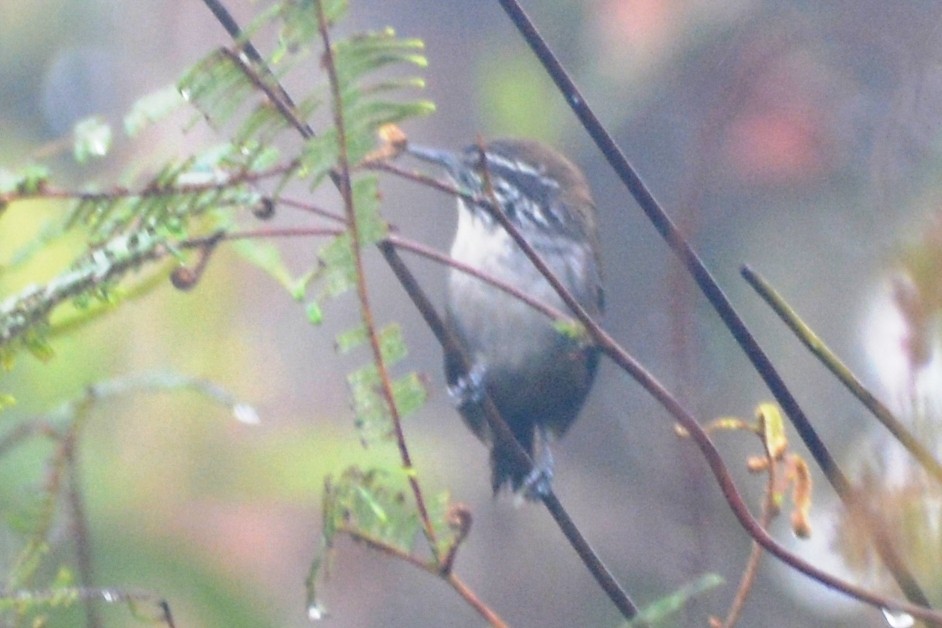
{"type": "Point", "coordinates": [370, 504]}
{"type": "Point", "coordinates": [410, 393]}
{"type": "Point", "coordinates": [32, 179]}
{"type": "Point", "coordinates": [36, 343]}
{"type": "Point", "coordinates": [392, 346]}
{"type": "Point", "coordinates": [298, 289]}
{"type": "Point", "coordinates": [151, 108]}
{"type": "Point", "coordinates": [315, 315]}
{"type": "Point", "coordinates": [350, 339]}
{"type": "Point", "coordinates": [92, 139]}
{"type": "Point", "coordinates": [216, 86]}
{"type": "Point", "coordinates": [370, 223]}
{"type": "Point", "coordinates": [339, 265]}
{"type": "Point", "coordinates": [371, 413]}
{"type": "Point", "coordinates": [318, 156]}
{"type": "Point", "coordinates": [659, 611]}
{"type": "Point", "coordinates": [358, 55]}
{"type": "Point", "coordinates": [267, 257]}
{"type": "Point", "coordinates": [772, 428]}
{"type": "Point", "coordinates": [301, 23]}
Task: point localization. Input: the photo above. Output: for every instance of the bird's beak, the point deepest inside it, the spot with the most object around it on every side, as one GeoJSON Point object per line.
{"type": "Point", "coordinates": [444, 158]}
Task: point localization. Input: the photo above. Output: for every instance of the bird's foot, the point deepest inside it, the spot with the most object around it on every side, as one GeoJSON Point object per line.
{"type": "Point", "coordinates": [538, 482]}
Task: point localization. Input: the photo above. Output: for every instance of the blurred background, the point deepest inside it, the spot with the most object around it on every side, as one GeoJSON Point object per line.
{"type": "Point", "coordinates": [802, 138]}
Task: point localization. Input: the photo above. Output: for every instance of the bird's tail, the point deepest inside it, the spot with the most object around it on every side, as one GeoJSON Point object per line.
{"type": "Point", "coordinates": [506, 471]}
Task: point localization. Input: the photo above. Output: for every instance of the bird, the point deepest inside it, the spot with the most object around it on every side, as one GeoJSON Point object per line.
{"type": "Point", "coordinates": [536, 374]}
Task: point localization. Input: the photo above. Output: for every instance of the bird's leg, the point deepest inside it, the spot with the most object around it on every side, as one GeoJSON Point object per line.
{"type": "Point", "coordinates": [537, 483]}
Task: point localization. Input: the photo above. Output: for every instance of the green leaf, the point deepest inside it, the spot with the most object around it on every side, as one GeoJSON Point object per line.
{"type": "Point", "coordinates": [267, 257]}
{"type": "Point", "coordinates": [91, 139]}
{"type": "Point", "coordinates": [339, 265]}
{"type": "Point", "coordinates": [371, 413]}
{"type": "Point", "coordinates": [391, 344]}
{"type": "Point", "coordinates": [318, 156]}
{"type": "Point", "coordinates": [301, 26]}
{"type": "Point", "coordinates": [298, 289]}
{"type": "Point", "coordinates": [370, 223]}
{"type": "Point", "coordinates": [216, 86]}
{"type": "Point", "coordinates": [350, 339]}
{"type": "Point", "coordinates": [32, 179]}
{"type": "Point", "coordinates": [372, 505]}
{"type": "Point", "coordinates": [36, 343]}
{"type": "Point", "coordinates": [151, 108]}
{"type": "Point", "coordinates": [410, 393]}
{"type": "Point", "coordinates": [358, 55]}
{"type": "Point", "coordinates": [658, 612]}
{"type": "Point", "coordinates": [315, 315]}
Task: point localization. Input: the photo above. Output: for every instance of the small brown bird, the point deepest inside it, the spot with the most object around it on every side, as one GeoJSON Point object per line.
{"type": "Point", "coordinates": [537, 375]}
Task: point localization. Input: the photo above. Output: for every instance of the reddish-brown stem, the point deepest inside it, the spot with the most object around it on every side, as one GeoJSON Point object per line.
{"type": "Point", "coordinates": [346, 192]}
{"type": "Point", "coordinates": [755, 554]}
{"type": "Point", "coordinates": [237, 178]}
{"type": "Point", "coordinates": [432, 568]}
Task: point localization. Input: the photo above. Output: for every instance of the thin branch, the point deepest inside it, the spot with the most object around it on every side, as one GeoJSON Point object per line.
{"type": "Point", "coordinates": [258, 234]}
{"type": "Point", "coordinates": [271, 87]}
{"type": "Point", "coordinates": [430, 568]}
{"type": "Point", "coordinates": [717, 298]}
{"type": "Point", "coordinates": [840, 370]}
{"type": "Point", "coordinates": [769, 508]}
{"type": "Point", "coordinates": [151, 190]}
{"type": "Point", "coordinates": [313, 209]}
{"type": "Point", "coordinates": [78, 520]}
{"type": "Point", "coordinates": [346, 192]}
{"type": "Point", "coordinates": [474, 602]}
{"type": "Point", "coordinates": [448, 261]}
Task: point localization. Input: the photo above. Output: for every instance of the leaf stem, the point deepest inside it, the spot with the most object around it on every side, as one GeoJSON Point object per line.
{"type": "Point", "coordinates": [346, 192]}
